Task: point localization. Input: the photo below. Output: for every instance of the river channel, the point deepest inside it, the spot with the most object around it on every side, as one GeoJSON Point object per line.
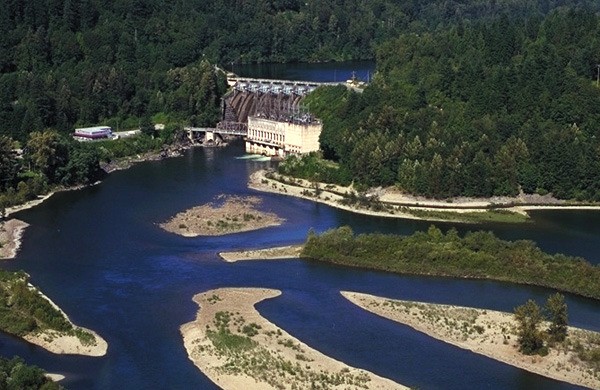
{"type": "Point", "coordinates": [99, 254]}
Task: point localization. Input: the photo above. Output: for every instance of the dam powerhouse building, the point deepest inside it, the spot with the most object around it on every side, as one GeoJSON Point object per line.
{"type": "Point", "coordinates": [283, 136]}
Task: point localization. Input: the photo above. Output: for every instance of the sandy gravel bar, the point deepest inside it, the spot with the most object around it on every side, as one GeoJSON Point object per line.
{"type": "Point", "coordinates": [303, 189]}
{"type": "Point", "coordinates": [227, 214]}
{"type": "Point", "coordinates": [61, 343]}
{"type": "Point", "coordinates": [275, 253]}
{"type": "Point", "coordinates": [234, 346]}
{"type": "Point", "coordinates": [397, 203]}
{"type": "Point", "coordinates": [489, 333]}
{"type": "Point", "coordinates": [11, 233]}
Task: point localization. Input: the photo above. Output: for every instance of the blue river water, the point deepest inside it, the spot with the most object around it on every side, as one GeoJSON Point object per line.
{"type": "Point", "coordinates": [100, 255]}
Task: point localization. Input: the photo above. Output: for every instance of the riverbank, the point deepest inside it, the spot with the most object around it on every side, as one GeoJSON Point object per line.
{"type": "Point", "coordinates": [27, 313]}
{"type": "Point", "coordinates": [116, 165]}
{"type": "Point", "coordinates": [11, 232]}
{"type": "Point", "coordinates": [78, 341]}
{"type": "Point", "coordinates": [234, 346]}
{"type": "Point", "coordinates": [67, 344]}
{"type": "Point", "coordinates": [390, 203]}
{"type": "Point", "coordinates": [226, 215]}
{"type": "Point", "coordinates": [274, 253]}
{"type": "Point", "coordinates": [489, 333]}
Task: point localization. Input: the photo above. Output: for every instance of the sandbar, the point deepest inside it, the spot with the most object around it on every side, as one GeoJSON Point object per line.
{"type": "Point", "coordinates": [487, 332]}
{"type": "Point", "coordinates": [228, 214]}
{"type": "Point", "coordinates": [274, 253]}
{"type": "Point", "coordinates": [63, 343]}
{"type": "Point", "coordinates": [237, 348]}
{"type": "Point", "coordinates": [395, 204]}
{"type": "Point", "coordinates": [27, 205]}
{"type": "Point", "coordinates": [11, 232]}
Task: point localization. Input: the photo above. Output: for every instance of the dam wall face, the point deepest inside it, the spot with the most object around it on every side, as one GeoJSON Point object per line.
{"type": "Point", "coordinates": [241, 105]}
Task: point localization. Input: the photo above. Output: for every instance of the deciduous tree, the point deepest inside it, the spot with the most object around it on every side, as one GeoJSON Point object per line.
{"type": "Point", "coordinates": [529, 317]}
{"type": "Point", "coordinates": [557, 311]}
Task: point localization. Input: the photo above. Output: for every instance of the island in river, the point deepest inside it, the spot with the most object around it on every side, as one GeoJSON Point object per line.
{"type": "Point", "coordinates": [227, 214]}
{"type": "Point", "coordinates": [274, 253]}
{"type": "Point", "coordinates": [493, 334]}
{"type": "Point", "coordinates": [232, 344]}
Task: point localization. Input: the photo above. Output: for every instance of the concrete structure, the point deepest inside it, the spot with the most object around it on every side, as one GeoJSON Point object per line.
{"type": "Point", "coordinates": [281, 138]}
{"type": "Point", "coordinates": [91, 133]}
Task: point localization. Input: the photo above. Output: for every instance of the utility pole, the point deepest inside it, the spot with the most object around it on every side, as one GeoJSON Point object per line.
{"type": "Point", "coordinates": [598, 76]}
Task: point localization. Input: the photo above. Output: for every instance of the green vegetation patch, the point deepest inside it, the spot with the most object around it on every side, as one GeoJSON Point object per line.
{"type": "Point", "coordinates": [493, 215]}
{"type": "Point", "coordinates": [23, 310]}
{"type": "Point", "coordinates": [15, 374]}
{"type": "Point", "coordinates": [476, 255]}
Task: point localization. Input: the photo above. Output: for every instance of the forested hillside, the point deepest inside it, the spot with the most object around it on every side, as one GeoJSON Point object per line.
{"type": "Point", "coordinates": [67, 62]}
{"type": "Point", "coordinates": [462, 104]}
{"type": "Point", "coordinates": [477, 110]}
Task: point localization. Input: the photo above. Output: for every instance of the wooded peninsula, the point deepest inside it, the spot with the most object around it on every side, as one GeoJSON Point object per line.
{"type": "Point", "coordinates": [477, 255]}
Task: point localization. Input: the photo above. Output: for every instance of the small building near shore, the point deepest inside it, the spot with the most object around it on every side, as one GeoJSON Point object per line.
{"type": "Point", "coordinates": [284, 136]}
{"type": "Point", "coordinates": [93, 133]}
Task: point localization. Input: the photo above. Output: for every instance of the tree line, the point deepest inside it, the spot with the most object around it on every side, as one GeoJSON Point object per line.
{"type": "Point", "coordinates": [65, 63]}
{"type": "Point", "coordinates": [16, 374]}
{"type": "Point", "coordinates": [479, 255]}
{"type": "Point", "coordinates": [476, 110]}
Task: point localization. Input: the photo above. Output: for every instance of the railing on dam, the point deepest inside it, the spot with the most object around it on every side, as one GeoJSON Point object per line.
{"type": "Point", "coordinates": [288, 87]}
{"type": "Point", "coordinates": [232, 128]}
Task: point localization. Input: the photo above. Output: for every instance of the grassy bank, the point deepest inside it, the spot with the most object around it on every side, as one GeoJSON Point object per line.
{"type": "Point", "coordinates": [478, 255]}
{"type": "Point", "coordinates": [364, 203]}
{"type": "Point", "coordinates": [491, 215]}
{"type": "Point", "coordinates": [23, 310]}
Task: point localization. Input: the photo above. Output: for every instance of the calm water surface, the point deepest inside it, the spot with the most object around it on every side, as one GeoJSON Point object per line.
{"type": "Point", "coordinates": [99, 254]}
{"type": "Point", "coordinates": [322, 72]}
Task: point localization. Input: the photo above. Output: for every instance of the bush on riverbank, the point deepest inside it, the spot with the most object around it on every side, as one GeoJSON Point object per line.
{"type": "Point", "coordinates": [23, 310]}
{"type": "Point", "coordinates": [15, 374]}
{"type": "Point", "coordinates": [477, 255]}
{"type": "Point", "coordinates": [313, 168]}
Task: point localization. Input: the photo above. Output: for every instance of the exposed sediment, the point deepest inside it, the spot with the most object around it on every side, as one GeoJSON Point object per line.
{"type": "Point", "coordinates": [489, 333]}
{"type": "Point", "coordinates": [11, 232]}
{"type": "Point", "coordinates": [274, 253]}
{"type": "Point", "coordinates": [232, 344]}
{"type": "Point", "coordinates": [228, 214]}
{"type": "Point", "coordinates": [392, 203]}
{"type": "Point", "coordinates": [67, 342]}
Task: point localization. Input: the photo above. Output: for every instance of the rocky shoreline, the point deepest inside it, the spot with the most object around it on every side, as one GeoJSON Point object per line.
{"type": "Point", "coordinates": [11, 233]}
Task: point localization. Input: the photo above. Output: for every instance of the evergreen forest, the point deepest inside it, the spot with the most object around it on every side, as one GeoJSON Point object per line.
{"type": "Point", "coordinates": [84, 62]}
{"type": "Point", "coordinates": [464, 101]}
{"type": "Point", "coordinates": [479, 110]}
